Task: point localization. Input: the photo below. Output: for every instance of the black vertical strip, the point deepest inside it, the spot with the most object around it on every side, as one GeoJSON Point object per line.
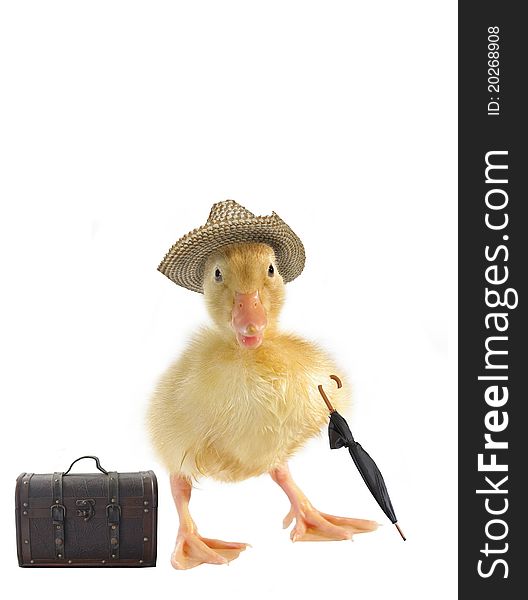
{"type": "Point", "coordinates": [113, 514]}
{"type": "Point", "coordinates": [24, 514]}
{"type": "Point", "coordinates": [58, 514]}
{"type": "Point", "coordinates": [492, 123]}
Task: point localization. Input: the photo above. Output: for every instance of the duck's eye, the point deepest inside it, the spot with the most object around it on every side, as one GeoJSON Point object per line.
{"type": "Point", "coordinates": [271, 271]}
{"type": "Point", "coordinates": [218, 275]}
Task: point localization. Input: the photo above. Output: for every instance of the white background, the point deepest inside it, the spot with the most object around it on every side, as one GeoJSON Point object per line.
{"type": "Point", "coordinates": [121, 123]}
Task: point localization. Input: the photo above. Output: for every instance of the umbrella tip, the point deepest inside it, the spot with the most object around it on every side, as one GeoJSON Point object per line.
{"type": "Point", "coordinates": [400, 532]}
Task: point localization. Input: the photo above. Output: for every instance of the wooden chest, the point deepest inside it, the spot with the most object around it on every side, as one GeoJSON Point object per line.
{"type": "Point", "coordinates": [103, 519]}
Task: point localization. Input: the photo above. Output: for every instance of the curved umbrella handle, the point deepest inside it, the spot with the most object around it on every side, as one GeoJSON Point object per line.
{"type": "Point", "coordinates": [325, 397]}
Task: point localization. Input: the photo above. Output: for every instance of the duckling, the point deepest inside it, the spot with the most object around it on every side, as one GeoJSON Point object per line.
{"type": "Point", "coordinates": [242, 398]}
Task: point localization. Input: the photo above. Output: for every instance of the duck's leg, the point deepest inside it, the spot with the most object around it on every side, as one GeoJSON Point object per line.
{"type": "Point", "coordinates": [310, 524]}
{"type": "Point", "coordinates": [191, 548]}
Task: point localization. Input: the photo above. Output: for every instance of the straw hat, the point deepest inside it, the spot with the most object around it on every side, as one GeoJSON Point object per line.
{"type": "Point", "coordinates": [231, 223]}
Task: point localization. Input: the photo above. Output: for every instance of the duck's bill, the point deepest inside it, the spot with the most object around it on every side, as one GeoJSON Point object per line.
{"type": "Point", "coordinates": [249, 341]}
{"type": "Point", "coordinates": [248, 319]}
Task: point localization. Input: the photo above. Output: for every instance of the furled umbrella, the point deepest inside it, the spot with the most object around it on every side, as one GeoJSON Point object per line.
{"type": "Point", "coordinates": [340, 435]}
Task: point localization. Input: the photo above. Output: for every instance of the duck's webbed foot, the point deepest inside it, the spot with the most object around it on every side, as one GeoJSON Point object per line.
{"type": "Point", "coordinates": [192, 550]}
{"type": "Point", "coordinates": [311, 524]}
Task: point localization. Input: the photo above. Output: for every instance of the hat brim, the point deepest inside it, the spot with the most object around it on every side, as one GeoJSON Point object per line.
{"type": "Point", "coordinates": [184, 263]}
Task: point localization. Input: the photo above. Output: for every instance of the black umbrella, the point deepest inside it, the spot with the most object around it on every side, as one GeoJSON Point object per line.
{"type": "Point", "coordinates": [340, 435]}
